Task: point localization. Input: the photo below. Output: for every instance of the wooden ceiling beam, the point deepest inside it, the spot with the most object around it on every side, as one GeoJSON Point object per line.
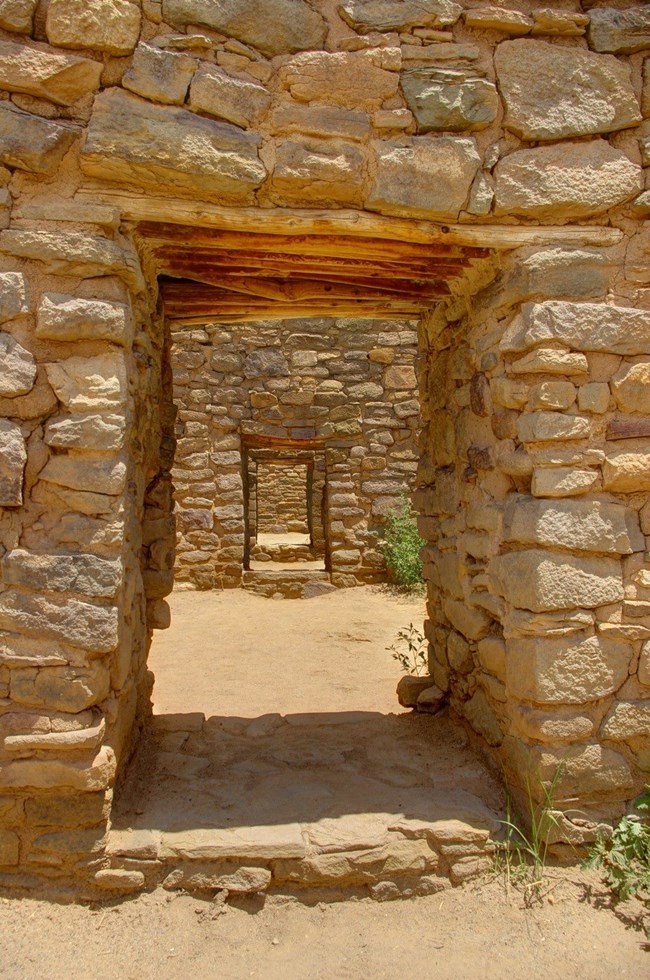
{"type": "Point", "coordinates": [303, 288]}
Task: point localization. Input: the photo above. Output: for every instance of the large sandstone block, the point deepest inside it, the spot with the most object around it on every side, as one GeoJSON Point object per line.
{"type": "Point", "coordinates": [631, 387]}
{"type": "Point", "coordinates": [164, 147]}
{"type": "Point", "coordinates": [565, 671]}
{"type": "Point", "coordinates": [66, 253]}
{"type": "Point", "coordinates": [627, 719]}
{"type": "Point", "coordinates": [562, 481]}
{"type": "Point", "coordinates": [13, 457]}
{"type": "Point", "coordinates": [93, 628]}
{"type": "Point", "coordinates": [554, 92]}
{"type": "Point", "coordinates": [583, 525]}
{"type": "Point", "coordinates": [423, 177]}
{"type": "Point", "coordinates": [555, 271]}
{"type": "Point", "coordinates": [63, 317]}
{"type": "Point", "coordinates": [90, 432]}
{"type": "Point", "coordinates": [281, 27]}
{"type": "Point", "coordinates": [84, 574]}
{"type": "Point", "coordinates": [320, 120]}
{"type": "Point", "coordinates": [540, 580]}
{"type": "Point", "coordinates": [162, 76]}
{"type": "Point", "coordinates": [17, 15]}
{"type": "Point", "coordinates": [89, 383]}
{"type": "Point", "coordinates": [61, 78]}
{"type": "Point", "coordinates": [13, 298]}
{"type": "Point", "coordinates": [318, 171]}
{"type": "Point", "coordinates": [386, 15]}
{"type": "Point", "coordinates": [80, 473]}
{"type": "Point", "coordinates": [70, 689]}
{"type": "Point", "coordinates": [452, 100]}
{"type": "Point", "coordinates": [237, 100]}
{"type": "Point", "coordinates": [31, 143]}
{"type": "Point", "coordinates": [547, 426]}
{"type": "Point", "coordinates": [567, 180]}
{"type": "Point", "coordinates": [619, 31]}
{"type": "Point", "coordinates": [78, 774]}
{"type": "Point", "coordinates": [17, 368]}
{"type": "Point", "coordinates": [354, 80]}
{"type": "Point", "coordinates": [586, 326]}
{"type": "Point", "coordinates": [103, 25]}
{"type": "Point", "coordinates": [627, 470]}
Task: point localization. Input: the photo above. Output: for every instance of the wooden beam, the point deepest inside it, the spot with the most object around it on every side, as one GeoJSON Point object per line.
{"type": "Point", "coordinates": [280, 269]}
{"type": "Point", "coordinates": [303, 286]}
{"type": "Point", "coordinates": [357, 224]}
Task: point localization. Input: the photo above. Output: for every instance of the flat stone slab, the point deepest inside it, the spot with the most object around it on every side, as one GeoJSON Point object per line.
{"type": "Point", "coordinates": [312, 801]}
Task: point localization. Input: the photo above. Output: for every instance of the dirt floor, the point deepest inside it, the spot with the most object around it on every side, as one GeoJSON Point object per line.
{"type": "Point", "coordinates": [242, 657]}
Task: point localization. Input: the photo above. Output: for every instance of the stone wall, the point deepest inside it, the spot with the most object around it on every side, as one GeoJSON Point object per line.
{"type": "Point", "coordinates": [282, 498]}
{"type": "Point", "coordinates": [346, 386]}
{"type": "Point", "coordinates": [491, 125]}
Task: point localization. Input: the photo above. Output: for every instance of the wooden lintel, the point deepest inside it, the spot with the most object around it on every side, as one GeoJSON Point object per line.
{"type": "Point", "coordinates": [356, 224]}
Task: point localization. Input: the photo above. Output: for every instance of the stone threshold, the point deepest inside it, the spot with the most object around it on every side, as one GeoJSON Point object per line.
{"type": "Point", "coordinates": [288, 583]}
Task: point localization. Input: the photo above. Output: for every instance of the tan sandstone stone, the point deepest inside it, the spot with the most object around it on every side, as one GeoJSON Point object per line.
{"type": "Point", "coordinates": [17, 368]}
{"type": "Point", "coordinates": [31, 143]}
{"type": "Point", "coordinates": [627, 470]}
{"type": "Point", "coordinates": [234, 99]}
{"type": "Point", "coordinates": [13, 458]}
{"type": "Point", "coordinates": [545, 426]}
{"type": "Point", "coordinates": [17, 15]}
{"type": "Point", "coordinates": [631, 387]}
{"type": "Point", "coordinates": [541, 580]}
{"type": "Point", "coordinates": [581, 525]}
{"type": "Point", "coordinates": [548, 360]}
{"type": "Point", "coordinates": [354, 80]}
{"type": "Point", "coordinates": [63, 317]}
{"type": "Point", "coordinates": [385, 15]}
{"type": "Point", "coordinates": [555, 92]}
{"type": "Point", "coordinates": [89, 383]}
{"type": "Point", "coordinates": [565, 671]}
{"type": "Point", "coordinates": [162, 76]}
{"type": "Point", "coordinates": [627, 719]}
{"type": "Point", "coordinates": [82, 624]}
{"type": "Point", "coordinates": [562, 481]}
{"type": "Point", "coordinates": [61, 78]}
{"type": "Point", "coordinates": [585, 326]}
{"type": "Point", "coordinates": [567, 180]}
{"type": "Point", "coordinates": [553, 395]}
{"type": "Point", "coordinates": [319, 171]}
{"type": "Point", "coordinates": [103, 25]}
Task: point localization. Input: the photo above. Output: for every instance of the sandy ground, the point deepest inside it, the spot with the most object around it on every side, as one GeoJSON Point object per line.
{"type": "Point", "coordinates": [244, 656]}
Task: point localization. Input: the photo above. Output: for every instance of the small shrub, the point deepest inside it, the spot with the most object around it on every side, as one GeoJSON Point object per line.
{"type": "Point", "coordinates": [625, 857]}
{"type": "Point", "coordinates": [401, 547]}
{"type": "Point", "coordinates": [409, 650]}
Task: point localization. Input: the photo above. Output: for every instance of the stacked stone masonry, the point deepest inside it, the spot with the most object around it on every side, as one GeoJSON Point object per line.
{"type": "Point", "coordinates": [533, 488]}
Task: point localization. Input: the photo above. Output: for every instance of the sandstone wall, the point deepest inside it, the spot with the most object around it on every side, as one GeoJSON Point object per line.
{"type": "Point", "coordinates": [534, 461]}
{"type": "Point", "coordinates": [282, 498]}
{"type": "Point", "coordinates": [345, 385]}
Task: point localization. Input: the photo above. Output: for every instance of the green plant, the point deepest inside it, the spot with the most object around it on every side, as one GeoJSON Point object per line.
{"type": "Point", "coordinates": [408, 650]}
{"type": "Point", "coordinates": [523, 854]}
{"type": "Point", "coordinates": [625, 857]}
{"type": "Point", "coordinates": [401, 546]}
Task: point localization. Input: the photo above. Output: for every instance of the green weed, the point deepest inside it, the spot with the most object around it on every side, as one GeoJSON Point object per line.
{"type": "Point", "coordinates": [401, 547]}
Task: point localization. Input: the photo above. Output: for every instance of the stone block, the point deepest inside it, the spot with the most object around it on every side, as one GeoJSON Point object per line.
{"type": "Point", "coordinates": [89, 432]}
{"type": "Point", "coordinates": [385, 15]}
{"type": "Point", "coordinates": [631, 387]}
{"type": "Point", "coordinates": [540, 580]}
{"type": "Point", "coordinates": [69, 689]}
{"type": "Point", "coordinates": [482, 718]}
{"type": "Point", "coordinates": [81, 473]}
{"type": "Point", "coordinates": [69, 810]}
{"type": "Point", "coordinates": [401, 377]}
{"type": "Point", "coordinates": [627, 470]}
{"type": "Point", "coordinates": [266, 362]}
{"type": "Point", "coordinates": [491, 651]}
{"type": "Point", "coordinates": [472, 623]}
{"type": "Point", "coordinates": [224, 876]}
{"type": "Point", "coordinates": [31, 143]}
{"type": "Point", "coordinates": [565, 670]}
{"type": "Point", "coordinates": [553, 92]}
{"type": "Point", "coordinates": [562, 481]}
{"type": "Point", "coordinates": [619, 31]}
{"type": "Point", "coordinates": [320, 120]}
{"type": "Point", "coordinates": [594, 397]}
{"type": "Point", "coordinates": [69, 318]}
{"type": "Point", "coordinates": [281, 27]}
{"type": "Point", "coordinates": [627, 720]}
{"type": "Point", "coordinates": [567, 180]}
{"type": "Point", "coordinates": [551, 723]}
{"type": "Point", "coordinates": [354, 80]}
{"type": "Point", "coordinates": [421, 177]}
{"type": "Point", "coordinates": [120, 880]}
{"type": "Point", "coordinates": [164, 147]}
{"type": "Point", "coordinates": [17, 368]}
{"type": "Point", "coordinates": [112, 26]}
{"type": "Point", "coordinates": [85, 384]}
{"type": "Point", "coordinates": [13, 458]}
{"type": "Point", "coordinates": [81, 624]}
{"type": "Point", "coordinates": [580, 525]}
{"type": "Point", "coordinates": [552, 395]}
{"type": "Point", "coordinates": [451, 100]}
{"type": "Point", "coordinates": [67, 253]}
{"type": "Point", "coordinates": [495, 19]}
{"type": "Point", "coordinates": [237, 100]}
{"type": "Point", "coordinates": [161, 76]}
{"type": "Point", "coordinates": [58, 77]}
{"type": "Point", "coordinates": [547, 426]}
{"type": "Point", "coordinates": [13, 300]}
{"type": "Point", "coordinates": [77, 775]}
{"type": "Point", "coordinates": [459, 653]}
{"type": "Point", "coordinates": [86, 575]}
{"type": "Point", "coordinates": [9, 848]}
{"type": "Point", "coordinates": [553, 272]}
{"type": "Point", "coordinates": [548, 360]}
{"type": "Point", "coordinates": [320, 171]}
{"type": "Point", "coordinates": [17, 15]}
{"type": "Point", "coordinates": [585, 326]}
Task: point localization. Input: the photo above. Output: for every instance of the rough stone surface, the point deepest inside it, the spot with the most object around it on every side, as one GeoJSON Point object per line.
{"type": "Point", "coordinates": [573, 524]}
{"type": "Point", "coordinates": [546, 426]}
{"type": "Point", "coordinates": [539, 580]}
{"type": "Point", "coordinates": [424, 178]}
{"type": "Point", "coordinates": [587, 326]}
{"type": "Point", "coordinates": [631, 387]}
{"type": "Point", "coordinates": [130, 140]}
{"type": "Point", "coordinates": [384, 15]}
{"type": "Point", "coordinates": [561, 671]}
{"type": "Point", "coordinates": [17, 368]}
{"type": "Point", "coordinates": [318, 171]}
{"type": "Point", "coordinates": [87, 383]}
{"type": "Point", "coordinates": [234, 99]}
{"type": "Point", "coordinates": [449, 99]}
{"type": "Point", "coordinates": [568, 180]}
{"type": "Point", "coordinates": [627, 470]}
{"type": "Point", "coordinates": [553, 92]}
{"type": "Point", "coordinates": [627, 719]}
{"type": "Point", "coordinates": [279, 28]}
{"type": "Point", "coordinates": [17, 15]}
{"type": "Point", "coordinates": [84, 625]}
{"type": "Point", "coordinates": [161, 76]}
{"type": "Point", "coordinates": [61, 78]}
{"type": "Point", "coordinates": [63, 317]}
{"type": "Point", "coordinates": [94, 432]}
{"type": "Point", "coordinates": [31, 143]}
{"type": "Point", "coordinates": [13, 457]}
{"type": "Point", "coordinates": [620, 31]}
{"type": "Point", "coordinates": [104, 25]}
{"type": "Point", "coordinates": [84, 574]}
{"type": "Point", "coordinates": [318, 76]}
{"type": "Point", "coordinates": [13, 300]}
{"type": "Point", "coordinates": [562, 481]}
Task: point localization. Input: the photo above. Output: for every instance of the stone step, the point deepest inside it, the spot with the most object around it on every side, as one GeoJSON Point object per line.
{"type": "Point", "coordinates": [288, 583]}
